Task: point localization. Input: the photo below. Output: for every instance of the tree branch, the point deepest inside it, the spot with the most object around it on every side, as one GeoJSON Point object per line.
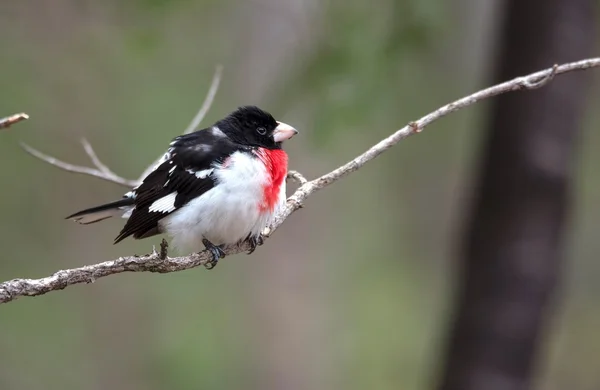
{"type": "Point", "coordinates": [11, 120]}
{"type": "Point", "coordinates": [208, 101]}
{"type": "Point", "coordinates": [154, 263]}
{"type": "Point", "coordinates": [108, 176]}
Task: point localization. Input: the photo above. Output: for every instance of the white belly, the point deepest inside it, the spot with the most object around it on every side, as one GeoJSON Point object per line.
{"type": "Point", "coordinates": [227, 213]}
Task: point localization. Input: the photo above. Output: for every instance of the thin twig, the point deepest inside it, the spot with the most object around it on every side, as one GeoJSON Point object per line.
{"type": "Point", "coordinates": [89, 150]}
{"type": "Point", "coordinates": [15, 288]}
{"type": "Point", "coordinates": [297, 177]}
{"type": "Point", "coordinates": [208, 101]}
{"type": "Point", "coordinates": [11, 120]}
{"type": "Point", "coordinates": [542, 80]}
{"type": "Point", "coordinates": [108, 176]}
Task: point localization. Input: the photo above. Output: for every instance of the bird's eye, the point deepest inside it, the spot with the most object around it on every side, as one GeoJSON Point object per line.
{"type": "Point", "coordinates": [261, 130]}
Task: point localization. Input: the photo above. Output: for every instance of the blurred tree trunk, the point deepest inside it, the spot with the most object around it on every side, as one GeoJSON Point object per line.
{"type": "Point", "coordinates": [513, 246]}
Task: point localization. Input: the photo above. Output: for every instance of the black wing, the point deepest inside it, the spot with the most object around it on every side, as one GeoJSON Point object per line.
{"type": "Point", "coordinates": [185, 174]}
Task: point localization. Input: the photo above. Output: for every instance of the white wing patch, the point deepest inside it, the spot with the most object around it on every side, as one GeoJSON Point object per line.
{"type": "Point", "coordinates": [166, 204]}
{"type": "Point", "coordinates": [203, 174]}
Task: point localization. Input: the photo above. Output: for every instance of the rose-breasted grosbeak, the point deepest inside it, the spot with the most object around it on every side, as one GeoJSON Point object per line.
{"type": "Point", "coordinates": [219, 185]}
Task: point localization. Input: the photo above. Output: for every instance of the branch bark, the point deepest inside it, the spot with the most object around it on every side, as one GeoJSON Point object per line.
{"type": "Point", "coordinates": [154, 262]}
{"type": "Point", "coordinates": [11, 120]}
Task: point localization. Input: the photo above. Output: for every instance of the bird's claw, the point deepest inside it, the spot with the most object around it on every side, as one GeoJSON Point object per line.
{"type": "Point", "coordinates": [164, 245]}
{"type": "Point", "coordinates": [255, 241]}
{"type": "Point", "coordinates": [216, 251]}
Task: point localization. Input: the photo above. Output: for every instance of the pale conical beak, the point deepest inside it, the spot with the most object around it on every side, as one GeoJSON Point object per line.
{"type": "Point", "coordinates": [283, 131]}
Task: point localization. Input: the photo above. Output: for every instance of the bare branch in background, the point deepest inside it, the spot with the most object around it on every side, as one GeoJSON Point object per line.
{"type": "Point", "coordinates": [101, 174]}
{"type": "Point", "coordinates": [102, 171]}
{"type": "Point", "coordinates": [208, 101]}
{"type": "Point", "coordinates": [11, 120]}
{"type": "Point", "coordinates": [153, 262]}
{"type": "Point", "coordinates": [89, 150]}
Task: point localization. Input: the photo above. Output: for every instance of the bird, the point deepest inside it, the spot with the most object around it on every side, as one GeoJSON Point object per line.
{"type": "Point", "coordinates": [216, 186]}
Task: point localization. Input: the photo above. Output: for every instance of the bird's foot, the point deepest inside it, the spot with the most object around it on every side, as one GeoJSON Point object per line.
{"type": "Point", "coordinates": [254, 241]}
{"type": "Point", "coordinates": [216, 251]}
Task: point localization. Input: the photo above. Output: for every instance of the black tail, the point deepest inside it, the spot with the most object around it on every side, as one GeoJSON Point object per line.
{"type": "Point", "coordinates": [99, 213]}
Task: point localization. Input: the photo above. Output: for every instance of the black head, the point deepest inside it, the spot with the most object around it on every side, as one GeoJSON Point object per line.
{"type": "Point", "coordinates": [251, 126]}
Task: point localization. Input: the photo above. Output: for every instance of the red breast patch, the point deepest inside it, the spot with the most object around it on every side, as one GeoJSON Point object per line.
{"type": "Point", "coordinates": [276, 162]}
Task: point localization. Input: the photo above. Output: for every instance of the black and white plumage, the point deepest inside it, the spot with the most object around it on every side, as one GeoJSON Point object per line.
{"type": "Point", "coordinates": [218, 185]}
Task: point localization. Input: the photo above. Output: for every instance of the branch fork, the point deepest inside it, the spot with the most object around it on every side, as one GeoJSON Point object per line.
{"type": "Point", "coordinates": [543, 79]}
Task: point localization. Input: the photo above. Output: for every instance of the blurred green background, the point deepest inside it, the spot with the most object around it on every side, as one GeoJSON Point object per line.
{"type": "Point", "coordinates": [353, 291]}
